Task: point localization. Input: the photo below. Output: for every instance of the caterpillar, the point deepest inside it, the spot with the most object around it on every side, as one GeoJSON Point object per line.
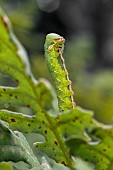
{"type": "Point", "coordinates": [54, 46]}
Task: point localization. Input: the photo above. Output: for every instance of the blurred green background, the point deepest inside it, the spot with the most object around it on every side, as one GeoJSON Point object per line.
{"type": "Point", "coordinates": [92, 83]}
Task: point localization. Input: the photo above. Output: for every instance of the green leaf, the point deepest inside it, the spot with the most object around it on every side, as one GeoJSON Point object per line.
{"type": "Point", "coordinates": [14, 62]}
{"type": "Point", "coordinates": [73, 133]}
{"type": "Point", "coordinates": [74, 123]}
{"type": "Point", "coordinates": [28, 92]}
{"type": "Point", "coordinates": [14, 147]}
{"type": "Point", "coordinates": [98, 151]}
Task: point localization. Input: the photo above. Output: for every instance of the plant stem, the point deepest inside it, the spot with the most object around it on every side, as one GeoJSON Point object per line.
{"type": "Point", "coordinates": [60, 140]}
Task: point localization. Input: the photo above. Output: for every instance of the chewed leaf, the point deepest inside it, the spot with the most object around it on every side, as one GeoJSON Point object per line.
{"type": "Point", "coordinates": [53, 146]}
{"type": "Point", "coordinates": [99, 154]}
{"type": "Point", "coordinates": [53, 139]}
{"type": "Point", "coordinates": [14, 46]}
{"type": "Point", "coordinates": [14, 147]}
{"type": "Point", "coordinates": [79, 122]}
{"type": "Point", "coordinates": [70, 133]}
{"type": "Point", "coordinates": [27, 94]}
{"type": "Point", "coordinates": [24, 123]}
{"type": "Point", "coordinates": [54, 130]}
{"type": "Point", "coordinates": [13, 58]}
{"type": "Point", "coordinates": [14, 63]}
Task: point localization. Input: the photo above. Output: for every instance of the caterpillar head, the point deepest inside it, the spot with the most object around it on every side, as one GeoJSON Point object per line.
{"type": "Point", "coordinates": [54, 40]}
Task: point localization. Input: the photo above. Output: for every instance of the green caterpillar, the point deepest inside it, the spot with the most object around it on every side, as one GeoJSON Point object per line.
{"type": "Point", "coordinates": [54, 46]}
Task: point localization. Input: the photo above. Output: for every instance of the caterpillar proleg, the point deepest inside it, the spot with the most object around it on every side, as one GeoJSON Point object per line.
{"type": "Point", "coordinates": [54, 46]}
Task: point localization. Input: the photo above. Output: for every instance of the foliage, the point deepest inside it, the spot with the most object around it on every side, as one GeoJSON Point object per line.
{"type": "Point", "coordinates": [72, 138]}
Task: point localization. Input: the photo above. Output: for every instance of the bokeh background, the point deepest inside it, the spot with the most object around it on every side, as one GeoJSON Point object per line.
{"type": "Point", "coordinates": [87, 26]}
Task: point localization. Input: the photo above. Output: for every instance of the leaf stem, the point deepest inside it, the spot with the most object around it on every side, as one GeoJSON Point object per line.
{"type": "Point", "coordinates": [60, 140]}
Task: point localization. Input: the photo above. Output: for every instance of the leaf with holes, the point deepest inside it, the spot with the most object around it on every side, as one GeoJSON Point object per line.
{"type": "Point", "coordinates": [27, 94]}
{"type": "Point", "coordinates": [70, 133]}
{"type": "Point", "coordinates": [98, 153]}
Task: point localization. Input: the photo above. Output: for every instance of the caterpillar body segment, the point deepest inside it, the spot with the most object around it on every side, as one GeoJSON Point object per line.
{"type": "Point", "coordinates": [54, 47]}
